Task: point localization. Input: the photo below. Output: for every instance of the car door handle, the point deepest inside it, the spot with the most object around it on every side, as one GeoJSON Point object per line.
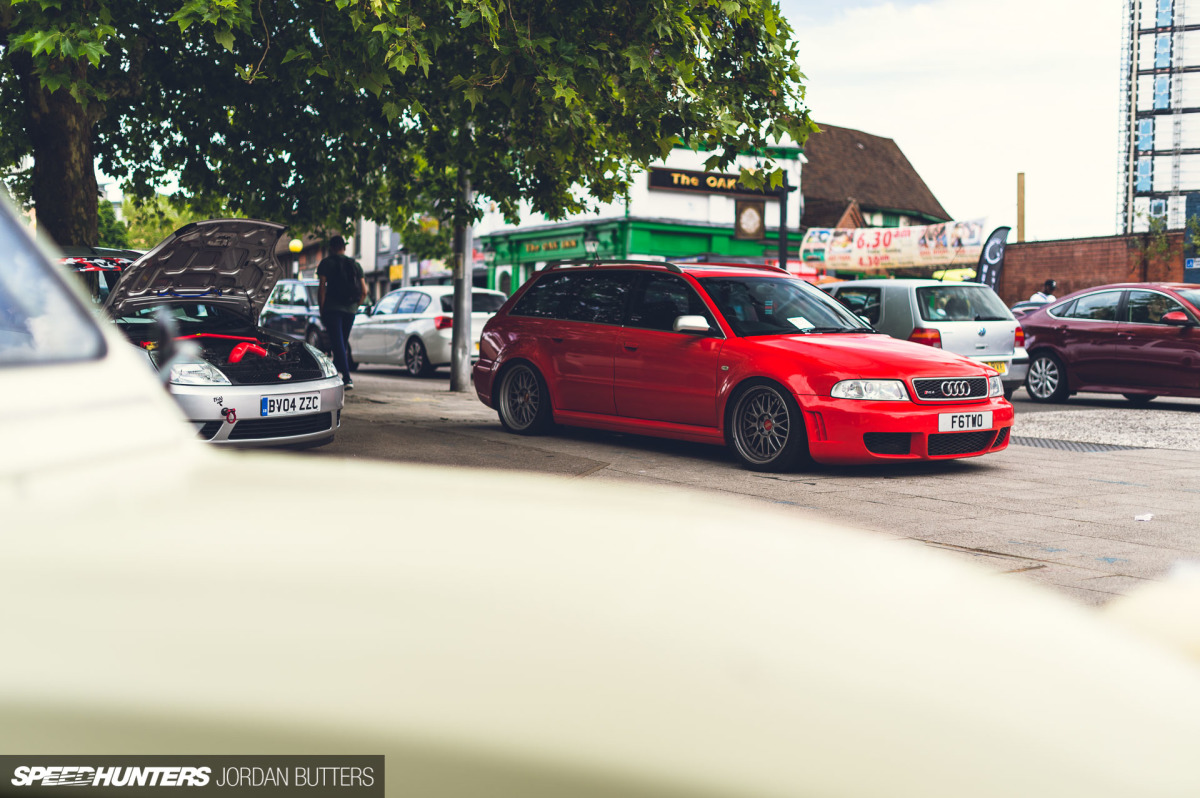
{"type": "Point", "coordinates": [629, 348]}
{"type": "Point", "coordinates": [557, 340]}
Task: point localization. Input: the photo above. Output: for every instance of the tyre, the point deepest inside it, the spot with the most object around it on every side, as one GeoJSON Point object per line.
{"type": "Point", "coordinates": [416, 359]}
{"type": "Point", "coordinates": [1139, 399]}
{"type": "Point", "coordinates": [765, 429]}
{"type": "Point", "coordinates": [313, 337]}
{"type": "Point", "coordinates": [1047, 379]}
{"type": "Point", "coordinates": [523, 402]}
{"type": "Point", "coordinates": [1009, 389]}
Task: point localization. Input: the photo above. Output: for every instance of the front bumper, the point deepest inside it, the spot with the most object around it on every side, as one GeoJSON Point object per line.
{"type": "Point", "coordinates": [853, 431]}
{"type": "Point", "coordinates": [231, 415]}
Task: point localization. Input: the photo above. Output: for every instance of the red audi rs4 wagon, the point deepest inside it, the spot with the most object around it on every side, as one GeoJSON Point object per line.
{"type": "Point", "coordinates": [745, 356]}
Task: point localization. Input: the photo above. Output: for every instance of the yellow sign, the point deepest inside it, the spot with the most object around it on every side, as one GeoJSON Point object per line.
{"type": "Point", "coordinates": [396, 272]}
{"type": "Point", "coordinates": [552, 246]}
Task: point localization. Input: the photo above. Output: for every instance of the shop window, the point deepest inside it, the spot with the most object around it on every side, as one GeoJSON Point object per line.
{"type": "Point", "coordinates": [1162, 51]}
{"type": "Point", "coordinates": [1163, 17]}
{"type": "Point", "coordinates": [1145, 135]}
{"type": "Point", "coordinates": [1145, 174]}
{"type": "Point", "coordinates": [1162, 91]}
{"type": "Point", "coordinates": [1158, 208]}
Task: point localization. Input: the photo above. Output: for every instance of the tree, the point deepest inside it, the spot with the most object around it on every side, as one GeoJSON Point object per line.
{"type": "Point", "coordinates": [313, 112]}
{"type": "Point", "coordinates": [112, 232]}
{"type": "Point", "coordinates": [153, 220]}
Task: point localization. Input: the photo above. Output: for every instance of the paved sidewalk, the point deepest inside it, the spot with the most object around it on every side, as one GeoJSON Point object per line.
{"type": "Point", "coordinates": [1063, 518]}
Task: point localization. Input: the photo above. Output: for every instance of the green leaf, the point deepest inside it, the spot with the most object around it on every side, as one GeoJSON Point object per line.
{"type": "Point", "coordinates": [296, 53]}
{"type": "Point", "coordinates": [225, 39]}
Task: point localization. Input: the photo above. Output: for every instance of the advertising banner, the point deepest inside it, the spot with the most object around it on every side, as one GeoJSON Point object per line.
{"type": "Point", "coordinates": [991, 261]}
{"type": "Point", "coordinates": [880, 249]}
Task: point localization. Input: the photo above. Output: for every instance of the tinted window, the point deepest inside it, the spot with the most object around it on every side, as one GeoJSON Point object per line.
{"type": "Point", "coordinates": [388, 303]}
{"type": "Point", "coordinates": [863, 301]}
{"type": "Point", "coordinates": [423, 301]}
{"type": "Point", "coordinates": [39, 319]}
{"type": "Point", "coordinates": [1099, 307]}
{"type": "Point", "coordinates": [660, 298]}
{"type": "Point", "coordinates": [778, 306]}
{"type": "Point", "coordinates": [408, 302]}
{"type": "Point", "coordinates": [960, 303]}
{"type": "Point", "coordinates": [1148, 307]}
{"type": "Point", "coordinates": [480, 302]}
{"type": "Point", "coordinates": [313, 296]}
{"type": "Point", "coordinates": [577, 296]}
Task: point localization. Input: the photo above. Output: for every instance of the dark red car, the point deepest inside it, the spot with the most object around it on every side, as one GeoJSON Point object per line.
{"type": "Point", "coordinates": [1135, 339]}
{"type": "Point", "coordinates": [744, 356]}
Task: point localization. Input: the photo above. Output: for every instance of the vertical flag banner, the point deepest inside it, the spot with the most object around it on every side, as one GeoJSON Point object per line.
{"type": "Point", "coordinates": [991, 260]}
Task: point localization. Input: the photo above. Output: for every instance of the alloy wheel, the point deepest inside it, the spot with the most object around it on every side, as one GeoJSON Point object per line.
{"type": "Point", "coordinates": [414, 357]}
{"type": "Point", "coordinates": [762, 425]}
{"type": "Point", "coordinates": [1044, 378]}
{"type": "Point", "coordinates": [521, 398]}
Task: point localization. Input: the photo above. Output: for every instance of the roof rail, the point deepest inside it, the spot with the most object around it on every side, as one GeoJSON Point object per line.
{"type": "Point", "coordinates": [762, 266]}
{"type": "Point", "coordinates": [589, 263]}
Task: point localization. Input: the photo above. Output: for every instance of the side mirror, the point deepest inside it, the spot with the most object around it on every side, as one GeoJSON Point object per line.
{"type": "Point", "coordinates": [1177, 318]}
{"type": "Point", "coordinates": [691, 324]}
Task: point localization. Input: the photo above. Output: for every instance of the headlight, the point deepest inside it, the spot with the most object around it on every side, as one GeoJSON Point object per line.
{"type": "Point", "coordinates": [874, 390]}
{"type": "Point", "coordinates": [995, 387]}
{"type": "Point", "coordinates": [328, 369]}
{"type": "Point", "coordinates": [197, 374]}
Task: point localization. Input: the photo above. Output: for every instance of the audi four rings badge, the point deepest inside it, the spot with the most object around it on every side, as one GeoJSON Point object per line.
{"type": "Point", "coordinates": [956, 388]}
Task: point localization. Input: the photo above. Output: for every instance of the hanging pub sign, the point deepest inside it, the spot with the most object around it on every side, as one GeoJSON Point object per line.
{"type": "Point", "coordinates": [748, 218]}
{"type": "Point", "coordinates": [701, 182]}
{"type": "Point", "coordinates": [882, 248]}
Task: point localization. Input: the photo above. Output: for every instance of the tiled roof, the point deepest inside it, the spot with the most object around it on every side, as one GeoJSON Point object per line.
{"type": "Point", "coordinates": [845, 164]}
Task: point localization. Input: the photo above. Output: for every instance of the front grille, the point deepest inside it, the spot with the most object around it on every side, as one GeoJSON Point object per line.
{"type": "Point", "coordinates": [1001, 437]}
{"type": "Point", "coordinates": [253, 429]}
{"type": "Point", "coordinates": [208, 429]}
{"type": "Point", "coordinates": [888, 442]}
{"type": "Point", "coordinates": [960, 442]}
{"type": "Point", "coordinates": [950, 389]}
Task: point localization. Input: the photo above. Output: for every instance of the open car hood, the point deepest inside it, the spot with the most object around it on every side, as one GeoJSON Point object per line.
{"type": "Point", "coordinates": [221, 260]}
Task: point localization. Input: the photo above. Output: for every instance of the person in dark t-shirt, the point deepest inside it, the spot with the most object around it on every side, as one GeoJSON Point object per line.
{"type": "Point", "coordinates": [342, 289]}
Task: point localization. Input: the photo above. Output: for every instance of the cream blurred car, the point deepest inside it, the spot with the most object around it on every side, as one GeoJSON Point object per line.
{"type": "Point", "coordinates": [528, 637]}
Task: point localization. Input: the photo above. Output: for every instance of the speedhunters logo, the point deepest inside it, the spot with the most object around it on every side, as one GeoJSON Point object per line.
{"type": "Point", "coordinates": [230, 775]}
{"type": "Point", "coordinates": [84, 776]}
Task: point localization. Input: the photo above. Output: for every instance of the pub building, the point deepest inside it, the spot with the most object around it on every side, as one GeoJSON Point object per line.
{"type": "Point", "coordinates": [678, 211]}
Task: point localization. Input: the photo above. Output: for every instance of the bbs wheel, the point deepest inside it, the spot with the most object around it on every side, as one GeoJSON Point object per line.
{"type": "Point", "coordinates": [766, 429]}
{"type": "Point", "coordinates": [416, 360]}
{"type": "Point", "coordinates": [1047, 379]}
{"type": "Point", "coordinates": [523, 402]}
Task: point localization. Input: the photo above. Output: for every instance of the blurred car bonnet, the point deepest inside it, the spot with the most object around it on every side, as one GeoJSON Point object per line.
{"type": "Point", "coordinates": [528, 636]}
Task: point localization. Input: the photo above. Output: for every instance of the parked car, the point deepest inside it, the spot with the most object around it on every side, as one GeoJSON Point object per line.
{"type": "Point", "coordinates": [243, 385]}
{"type": "Point", "coordinates": [965, 318]}
{"type": "Point", "coordinates": [544, 638]}
{"type": "Point", "coordinates": [413, 327]}
{"type": "Point", "coordinates": [742, 355]}
{"type": "Point", "coordinates": [1021, 309]}
{"type": "Point", "coordinates": [1136, 339]}
{"type": "Point", "coordinates": [108, 263]}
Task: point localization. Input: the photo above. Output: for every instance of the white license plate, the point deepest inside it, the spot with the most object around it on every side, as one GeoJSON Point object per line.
{"type": "Point", "coordinates": [964, 422]}
{"type": "Point", "coordinates": [290, 405]}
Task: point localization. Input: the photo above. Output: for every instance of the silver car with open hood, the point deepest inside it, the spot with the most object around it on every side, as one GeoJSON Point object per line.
{"type": "Point", "coordinates": [237, 382]}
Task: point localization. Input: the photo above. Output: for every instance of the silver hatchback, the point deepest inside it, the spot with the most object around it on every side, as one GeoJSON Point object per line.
{"type": "Point", "coordinates": [965, 318]}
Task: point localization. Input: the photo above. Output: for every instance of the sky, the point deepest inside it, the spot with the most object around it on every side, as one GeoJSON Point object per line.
{"type": "Point", "coordinates": [975, 91]}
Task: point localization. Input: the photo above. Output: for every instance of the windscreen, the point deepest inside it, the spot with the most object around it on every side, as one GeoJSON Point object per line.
{"type": "Point", "coordinates": [191, 317]}
{"type": "Point", "coordinates": [40, 321]}
{"type": "Point", "coordinates": [755, 305]}
{"type": "Point", "coordinates": [960, 303]}
{"type": "Point", "coordinates": [480, 302]}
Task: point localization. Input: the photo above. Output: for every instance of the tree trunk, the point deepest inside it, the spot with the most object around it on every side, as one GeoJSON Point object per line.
{"type": "Point", "coordinates": [65, 193]}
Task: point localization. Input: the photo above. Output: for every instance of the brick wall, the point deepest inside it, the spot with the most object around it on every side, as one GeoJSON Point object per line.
{"type": "Point", "coordinates": [1084, 262]}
